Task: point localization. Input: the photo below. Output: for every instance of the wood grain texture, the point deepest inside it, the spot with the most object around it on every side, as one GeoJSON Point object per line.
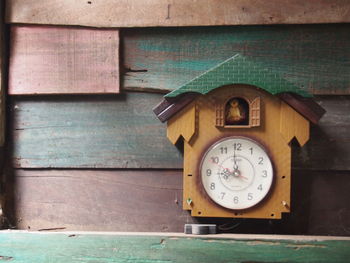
{"type": "Point", "coordinates": [121, 200]}
{"type": "Point", "coordinates": [86, 132]}
{"type": "Point", "coordinates": [99, 200]}
{"type": "Point", "coordinates": [329, 145]}
{"type": "Point", "coordinates": [307, 107]}
{"type": "Point", "coordinates": [293, 125]}
{"type": "Point", "coordinates": [2, 76]}
{"type": "Point", "coordinates": [326, 207]}
{"type": "Point", "coordinates": [106, 132]}
{"type": "Point", "coordinates": [133, 13]}
{"type": "Point", "coordinates": [2, 107]}
{"type": "Point", "coordinates": [312, 57]}
{"type": "Point", "coordinates": [58, 60]}
{"type": "Point", "coordinates": [182, 125]}
{"type": "Point", "coordinates": [118, 247]}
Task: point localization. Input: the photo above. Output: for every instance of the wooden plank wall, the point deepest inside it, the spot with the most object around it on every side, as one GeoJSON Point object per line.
{"type": "Point", "coordinates": [98, 200]}
{"type": "Point", "coordinates": [135, 13]}
{"type": "Point", "coordinates": [103, 163]}
{"type": "Point", "coordinates": [78, 247]}
{"type": "Point", "coordinates": [91, 132]}
{"type": "Point", "coordinates": [312, 57]}
{"type": "Point", "coordinates": [123, 132]}
{"type": "Point", "coordinates": [3, 72]}
{"type": "Point", "coordinates": [2, 107]}
{"type": "Point", "coordinates": [129, 200]}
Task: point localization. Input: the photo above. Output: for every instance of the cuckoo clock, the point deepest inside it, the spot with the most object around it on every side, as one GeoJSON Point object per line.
{"type": "Point", "coordinates": [236, 122]}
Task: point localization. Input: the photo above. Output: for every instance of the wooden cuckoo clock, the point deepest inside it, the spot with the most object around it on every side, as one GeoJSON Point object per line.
{"type": "Point", "coordinates": [237, 121]}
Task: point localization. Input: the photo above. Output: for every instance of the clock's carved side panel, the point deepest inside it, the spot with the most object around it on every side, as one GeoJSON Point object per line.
{"type": "Point", "coordinates": [268, 134]}
{"type": "Point", "coordinates": [183, 124]}
{"type": "Point", "coordinates": [293, 125]}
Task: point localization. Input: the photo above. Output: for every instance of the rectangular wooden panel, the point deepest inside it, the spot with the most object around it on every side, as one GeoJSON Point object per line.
{"type": "Point", "coordinates": [58, 60]}
{"type": "Point", "coordinates": [17, 246]}
{"type": "Point", "coordinates": [131, 13]}
{"type": "Point", "coordinates": [88, 132]}
{"type": "Point", "coordinates": [312, 57]}
{"type": "Point", "coordinates": [123, 132]}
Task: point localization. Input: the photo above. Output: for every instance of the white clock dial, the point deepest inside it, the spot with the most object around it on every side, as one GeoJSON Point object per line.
{"type": "Point", "coordinates": [236, 173]}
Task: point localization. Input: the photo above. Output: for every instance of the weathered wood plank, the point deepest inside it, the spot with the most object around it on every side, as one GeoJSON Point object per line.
{"type": "Point", "coordinates": [122, 132]}
{"type": "Point", "coordinates": [99, 200]}
{"type": "Point", "coordinates": [2, 104]}
{"type": "Point", "coordinates": [312, 57]}
{"type": "Point", "coordinates": [139, 200]}
{"type": "Point", "coordinates": [2, 75]}
{"type": "Point", "coordinates": [329, 145]}
{"type": "Point", "coordinates": [319, 204]}
{"type": "Point", "coordinates": [56, 60]}
{"type": "Point", "coordinates": [80, 247]}
{"type": "Point", "coordinates": [101, 132]}
{"type": "Point", "coordinates": [131, 13]}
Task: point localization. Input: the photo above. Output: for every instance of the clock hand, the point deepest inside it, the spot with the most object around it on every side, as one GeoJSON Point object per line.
{"type": "Point", "coordinates": [226, 171]}
{"type": "Point", "coordinates": [241, 176]}
{"type": "Point", "coordinates": [235, 166]}
{"type": "Point", "coordinates": [235, 172]}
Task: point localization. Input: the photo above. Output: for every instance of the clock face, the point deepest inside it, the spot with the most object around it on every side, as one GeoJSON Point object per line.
{"type": "Point", "coordinates": [236, 173]}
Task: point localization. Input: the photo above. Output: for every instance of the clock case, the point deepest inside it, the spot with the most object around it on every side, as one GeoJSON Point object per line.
{"type": "Point", "coordinates": [194, 115]}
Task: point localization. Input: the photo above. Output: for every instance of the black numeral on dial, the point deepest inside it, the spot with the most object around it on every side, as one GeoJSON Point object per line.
{"type": "Point", "coordinates": [237, 146]}
{"type": "Point", "coordinates": [250, 196]}
{"type": "Point", "coordinates": [223, 150]}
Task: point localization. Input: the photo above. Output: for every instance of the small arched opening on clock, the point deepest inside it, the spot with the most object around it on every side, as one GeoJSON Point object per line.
{"type": "Point", "coordinates": [237, 112]}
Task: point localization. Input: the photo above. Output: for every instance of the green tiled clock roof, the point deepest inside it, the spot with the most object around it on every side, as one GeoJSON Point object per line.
{"type": "Point", "coordinates": [239, 70]}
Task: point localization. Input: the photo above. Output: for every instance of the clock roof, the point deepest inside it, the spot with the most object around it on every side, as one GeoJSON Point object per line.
{"type": "Point", "coordinates": [240, 70]}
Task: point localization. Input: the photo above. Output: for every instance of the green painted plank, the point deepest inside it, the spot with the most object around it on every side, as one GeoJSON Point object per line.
{"type": "Point", "coordinates": [79, 247]}
{"type": "Point", "coordinates": [101, 132]}
{"type": "Point", "coordinates": [312, 57]}
{"type": "Point", "coordinates": [123, 132]}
